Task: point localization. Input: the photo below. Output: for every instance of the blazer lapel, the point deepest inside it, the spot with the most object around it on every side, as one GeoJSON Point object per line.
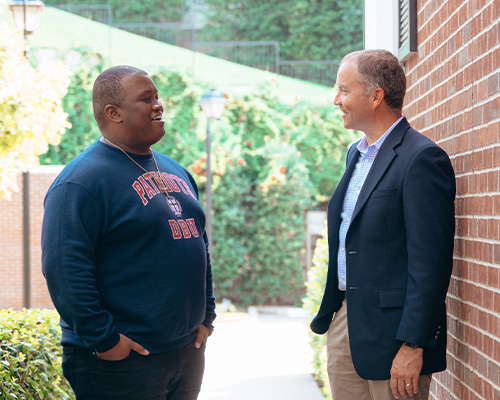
{"type": "Point", "coordinates": [384, 158]}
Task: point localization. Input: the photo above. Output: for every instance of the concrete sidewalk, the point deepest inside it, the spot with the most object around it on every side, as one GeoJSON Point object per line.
{"type": "Point", "coordinates": [264, 355]}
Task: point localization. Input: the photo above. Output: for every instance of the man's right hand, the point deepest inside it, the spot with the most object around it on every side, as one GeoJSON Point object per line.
{"type": "Point", "coordinates": [122, 350]}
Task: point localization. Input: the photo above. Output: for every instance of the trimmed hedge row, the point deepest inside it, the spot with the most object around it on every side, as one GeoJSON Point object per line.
{"type": "Point", "coordinates": [315, 288]}
{"type": "Point", "coordinates": [30, 356]}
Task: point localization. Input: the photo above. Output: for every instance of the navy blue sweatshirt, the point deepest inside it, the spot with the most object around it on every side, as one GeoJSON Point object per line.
{"type": "Point", "coordinates": [119, 257]}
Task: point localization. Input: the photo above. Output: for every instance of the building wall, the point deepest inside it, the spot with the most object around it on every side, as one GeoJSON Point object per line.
{"type": "Point", "coordinates": [454, 98]}
{"type": "Point", "coordinates": [11, 250]}
{"type": "Point", "coordinates": [11, 242]}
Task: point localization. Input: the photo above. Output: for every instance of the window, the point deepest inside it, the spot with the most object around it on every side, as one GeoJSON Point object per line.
{"type": "Point", "coordinates": [407, 29]}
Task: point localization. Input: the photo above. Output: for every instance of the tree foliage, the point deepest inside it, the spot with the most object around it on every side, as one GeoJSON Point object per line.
{"type": "Point", "coordinates": [306, 29]}
{"type": "Point", "coordinates": [31, 115]}
{"type": "Point", "coordinates": [137, 11]}
{"type": "Point", "coordinates": [78, 105]}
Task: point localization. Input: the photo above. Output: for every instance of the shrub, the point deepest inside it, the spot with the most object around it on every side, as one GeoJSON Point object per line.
{"type": "Point", "coordinates": [315, 289]}
{"type": "Point", "coordinates": [30, 356]}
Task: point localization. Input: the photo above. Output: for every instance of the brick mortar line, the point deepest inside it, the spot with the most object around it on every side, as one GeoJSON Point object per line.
{"type": "Point", "coordinates": [468, 259]}
{"type": "Point", "coordinates": [464, 89]}
{"type": "Point", "coordinates": [481, 286]}
{"type": "Point", "coordinates": [471, 369]}
{"type": "Point", "coordinates": [458, 29]}
{"type": "Point", "coordinates": [483, 216]}
{"type": "Point", "coordinates": [476, 306]}
{"type": "Point", "coordinates": [459, 49]}
{"type": "Point", "coordinates": [467, 152]}
{"type": "Point", "coordinates": [479, 240]}
{"type": "Point", "coordinates": [429, 19]}
{"type": "Point", "coordinates": [471, 346]}
{"type": "Point", "coordinates": [454, 115]}
{"type": "Point", "coordinates": [441, 384]}
{"type": "Point", "coordinates": [479, 172]}
{"type": "Point", "coordinates": [474, 217]}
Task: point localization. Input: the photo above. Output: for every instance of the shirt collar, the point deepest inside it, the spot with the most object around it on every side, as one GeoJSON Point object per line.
{"type": "Point", "coordinates": [363, 144]}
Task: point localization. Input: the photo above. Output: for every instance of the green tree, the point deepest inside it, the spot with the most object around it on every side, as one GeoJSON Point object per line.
{"type": "Point", "coordinates": [78, 105]}
{"type": "Point", "coordinates": [137, 11]}
{"type": "Point", "coordinates": [31, 115]}
{"type": "Point", "coordinates": [306, 29]}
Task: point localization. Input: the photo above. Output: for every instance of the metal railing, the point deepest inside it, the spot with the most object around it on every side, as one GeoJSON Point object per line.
{"type": "Point", "coordinates": [264, 55]}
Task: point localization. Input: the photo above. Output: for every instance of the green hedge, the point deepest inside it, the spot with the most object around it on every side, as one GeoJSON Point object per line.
{"type": "Point", "coordinates": [315, 288]}
{"type": "Point", "coordinates": [30, 356]}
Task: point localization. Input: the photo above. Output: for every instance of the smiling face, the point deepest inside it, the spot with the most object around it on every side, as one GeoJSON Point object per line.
{"type": "Point", "coordinates": [138, 117]}
{"type": "Point", "coordinates": [355, 105]}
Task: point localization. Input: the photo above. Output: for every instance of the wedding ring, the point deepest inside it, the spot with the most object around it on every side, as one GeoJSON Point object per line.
{"type": "Point", "coordinates": [408, 384]}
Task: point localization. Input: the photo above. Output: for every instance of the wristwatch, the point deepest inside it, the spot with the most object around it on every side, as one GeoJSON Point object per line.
{"type": "Point", "coordinates": [411, 345]}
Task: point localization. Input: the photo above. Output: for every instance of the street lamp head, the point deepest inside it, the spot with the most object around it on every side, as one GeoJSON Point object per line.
{"type": "Point", "coordinates": [26, 14]}
{"type": "Point", "coordinates": [213, 104]}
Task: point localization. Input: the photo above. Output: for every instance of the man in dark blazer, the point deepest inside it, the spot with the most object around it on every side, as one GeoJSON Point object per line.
{"type": "Point", "coordinates": [391, 225]}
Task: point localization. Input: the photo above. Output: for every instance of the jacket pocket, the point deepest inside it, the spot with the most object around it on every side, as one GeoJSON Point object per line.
{"type": "Point", "coordinates": [392, 298]}
{"type": "Point", "coordinates": [384, 193]}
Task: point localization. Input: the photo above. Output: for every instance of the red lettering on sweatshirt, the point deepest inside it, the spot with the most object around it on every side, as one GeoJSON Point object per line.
{"type": "Point", "coordinates": [192, 227]}
{"type": "Point", "coordinates": [186, 186]}
{"type": "Point", "coordinates": [176, 232]}
{"type": "Point", "coordinates": [149, 190]}
{"type": "Point", "coordinates": [163, 180]}
{"type": "Point", "coordinates": [185, 230]}
{"type": "Point", "coordinates": [171, 177]}
{"type": "Point", "coordinates": [152, 182]}
{"type": "Point", "coordinates": [140, 191]}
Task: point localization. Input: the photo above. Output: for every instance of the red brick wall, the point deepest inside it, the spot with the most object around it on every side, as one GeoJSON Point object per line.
{"type": "Point", "coordinates": [11, 242]}
{"type": "Point", "coordinates": [454, 98]}
{"type": "Point", "coordinates": [11, 250]}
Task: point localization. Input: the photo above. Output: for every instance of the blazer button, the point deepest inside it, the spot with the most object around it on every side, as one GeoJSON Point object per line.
{"type": "Point", "coordinates": [436, 337]}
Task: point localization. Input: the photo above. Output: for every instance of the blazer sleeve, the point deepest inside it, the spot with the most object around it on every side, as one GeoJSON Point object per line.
{"type": "Point", "coordinates": [429, 215]}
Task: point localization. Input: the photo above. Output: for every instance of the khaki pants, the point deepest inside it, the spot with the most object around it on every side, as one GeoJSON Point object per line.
{"type": "Point", "coordinates": [345, 383]}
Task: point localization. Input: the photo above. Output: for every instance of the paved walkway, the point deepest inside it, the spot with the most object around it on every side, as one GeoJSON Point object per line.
{"type": "Point", "coordinates": [264, 355]}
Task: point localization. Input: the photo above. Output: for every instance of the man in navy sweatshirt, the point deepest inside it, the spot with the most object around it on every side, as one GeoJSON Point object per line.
{"type": "Point", "coordinates": [125, 255]}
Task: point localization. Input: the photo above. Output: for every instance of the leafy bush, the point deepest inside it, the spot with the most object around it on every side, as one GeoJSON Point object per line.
{"type": "Point", "coordinates": [30, 356]}
{"type": "Point", "coordinates": [315, 289]}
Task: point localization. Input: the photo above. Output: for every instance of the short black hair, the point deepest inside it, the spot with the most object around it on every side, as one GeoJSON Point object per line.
{"type": "Point", "coordinates": [108, 89]}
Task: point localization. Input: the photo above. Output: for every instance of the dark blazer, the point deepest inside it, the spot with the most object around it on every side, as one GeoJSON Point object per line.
{"type": "Point", "coordinates": [399, 250]}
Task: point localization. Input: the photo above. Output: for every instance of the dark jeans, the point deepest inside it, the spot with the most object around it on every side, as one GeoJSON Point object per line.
{"type": "Point", "coordinates": [175, 375]}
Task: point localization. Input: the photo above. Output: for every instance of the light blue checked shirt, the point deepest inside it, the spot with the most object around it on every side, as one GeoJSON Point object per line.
{"type": "Point", "coordinates": [363, 166]}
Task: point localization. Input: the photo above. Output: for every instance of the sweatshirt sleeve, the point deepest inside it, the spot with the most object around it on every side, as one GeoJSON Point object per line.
{"type": "Point", "coordinates": [71, 227]}
{"type": "Point", "coordinates": [210, 314]}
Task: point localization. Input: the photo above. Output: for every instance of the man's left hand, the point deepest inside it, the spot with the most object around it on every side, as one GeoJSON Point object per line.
{"type": "Point", "coordinates": [405, 371]}
{"type": "Point", "coordinates": [202, 333]}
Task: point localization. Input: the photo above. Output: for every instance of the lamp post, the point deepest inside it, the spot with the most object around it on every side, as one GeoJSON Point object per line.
{"type": "Point", "coordinates": [26, 18]}
{"type": "Point", "coordinates": [26, 15]}
{"type": "Point", "coordinates": [212, 104]}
